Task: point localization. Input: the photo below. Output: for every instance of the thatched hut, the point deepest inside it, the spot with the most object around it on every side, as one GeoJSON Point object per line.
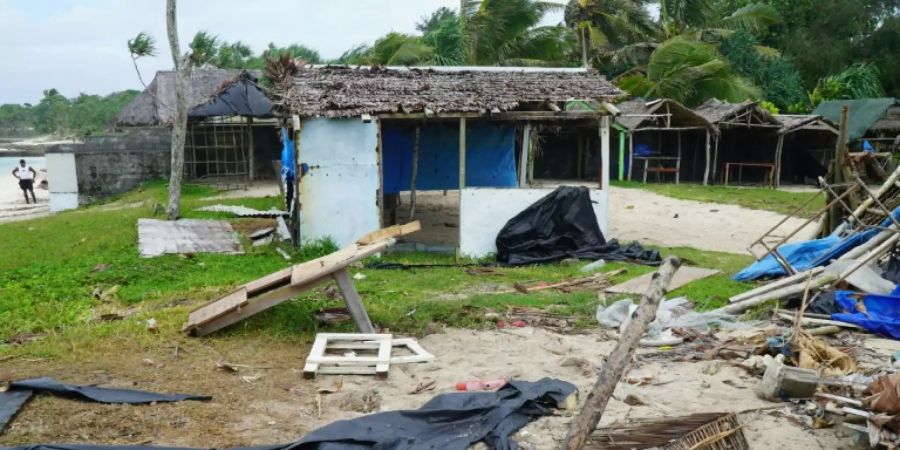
{"type": "Point", "coordinates": [371, 134]}
{"type": "Point", "coordinates": [746, 141]}
{"type": "Point", "coordinates": [670, 139]}
{"type": "Point", "coordinates": [221, 140]}
{"type": "Point", "coordinates": [806, 144]}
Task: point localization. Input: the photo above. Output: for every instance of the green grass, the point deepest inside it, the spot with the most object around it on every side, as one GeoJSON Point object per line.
{"type": "Point", "coordinates": [749, 197]}
{"type": "Point", "coordinates": [50, 274]}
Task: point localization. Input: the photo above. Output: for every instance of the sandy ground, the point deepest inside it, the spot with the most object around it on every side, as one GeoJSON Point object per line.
{"type": "Point", "coordinates": [268, 401]}
{"type": "Point", "coordinates": [634, 214]}
{"type": "Point", "coordinates": [12, 202]}
{"type": "Point", "coordinates": [650, 218]}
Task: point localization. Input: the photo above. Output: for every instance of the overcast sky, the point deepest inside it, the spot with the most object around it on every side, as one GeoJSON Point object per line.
{"type": "Point", "coordinates": [79, 45]}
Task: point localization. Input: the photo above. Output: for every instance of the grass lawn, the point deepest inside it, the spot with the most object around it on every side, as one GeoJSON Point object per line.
{"type": "Point", "coordinates": [61, 276]}
{"type": "Point", "coordinates": [749, 197]}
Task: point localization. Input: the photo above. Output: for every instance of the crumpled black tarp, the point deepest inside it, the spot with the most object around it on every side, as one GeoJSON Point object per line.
{"type": "Point", "coordinates": [19, 392]}
{"type": "Point", "coordinates": [448, 422]}
{"type": "Point", "coordinates": [563, 225]}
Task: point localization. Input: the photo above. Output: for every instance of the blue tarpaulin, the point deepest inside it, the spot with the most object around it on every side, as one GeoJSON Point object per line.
{"type": "Point", "coordinates": [490, 156]}
{"type": "Point", "coordinates": [879, 314]}
{"type": "Point", "coordinates": [807, 254]}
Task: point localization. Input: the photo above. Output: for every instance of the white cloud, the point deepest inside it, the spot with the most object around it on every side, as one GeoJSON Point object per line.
{"type": "Point", "coordinates": [79, 45]}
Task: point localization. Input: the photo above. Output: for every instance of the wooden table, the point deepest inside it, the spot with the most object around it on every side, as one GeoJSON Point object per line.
{"type": "Point", "coordinates": [769, 167]}
{"type": "Point", "coordinates": [660, 169]}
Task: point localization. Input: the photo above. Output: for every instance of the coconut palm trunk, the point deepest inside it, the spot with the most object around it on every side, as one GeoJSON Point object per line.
{"type": "Point", "coordinates": [179, 125]}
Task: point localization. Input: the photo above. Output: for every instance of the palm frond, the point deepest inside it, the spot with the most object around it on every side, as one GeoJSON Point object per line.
{"type": "Point", "coordinates": [754, 17]}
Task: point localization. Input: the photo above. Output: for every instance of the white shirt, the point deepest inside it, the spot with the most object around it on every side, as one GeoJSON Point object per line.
{"type": "Point", "coordinates": [24, 173]}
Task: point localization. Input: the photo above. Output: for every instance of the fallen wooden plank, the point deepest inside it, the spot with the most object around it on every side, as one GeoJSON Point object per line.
{"type": "Point", "coordinates": [218, 308]}
{"type": "Point", "coordinates": [640, 284]}
{"type": "Point", "coordinates": [336, 261]}
{"type": "Point", "coordinates": [390, 232]}
{"type": "Point", "coordinates": [786, 281]}
{"type": "Point", "coordinates": [813, 321]}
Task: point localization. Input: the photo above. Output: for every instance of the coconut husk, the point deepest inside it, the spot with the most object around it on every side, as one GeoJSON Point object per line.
{"type": "Point", "coordinates": [816, 354]}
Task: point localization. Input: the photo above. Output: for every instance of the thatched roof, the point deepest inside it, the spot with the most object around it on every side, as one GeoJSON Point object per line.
{"type": "Point", "coordinates": [679, 115]}
{"type": "Point", "coordinates": [155, 105]}
{"type": "Point", "coordinates": [339, 91]}
{"type": "Point", "coordinates": [793, 122]}
{"type": "Point", "coordinates": [720, 113]}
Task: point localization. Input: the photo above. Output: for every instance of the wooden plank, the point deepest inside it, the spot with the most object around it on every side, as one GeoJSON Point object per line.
{"type": "Point", "coordinates": [384, 357]}
{"type": "Point", "coordinates": [254, 306]}
{"type": "Point", "coordinates": [265, 283]}
{"type": "Point", "coordinates": [390, 232]}
{"type": "Point", "coordinates": [354, 302]}
{"type": "Point", "coordinates": [218, 308]}
{"type": "Point", "coordinates": [318, 349]}
{"type": "Point", "coordinates": [328, 264]}
{"type": "Point", "coordinates": [814, 321]}
{"type": "Point", "coordinates": [640, 284]}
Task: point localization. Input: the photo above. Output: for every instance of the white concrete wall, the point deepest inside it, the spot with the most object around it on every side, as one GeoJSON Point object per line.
{"type": "Point", "coordinates": [484, 211]}
{"type": "Point", "coordinates": [62, 180]}
{"type": "Point", "coordinates": [339, 194]}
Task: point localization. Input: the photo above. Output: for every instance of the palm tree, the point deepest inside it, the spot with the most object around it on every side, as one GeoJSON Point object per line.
{"type": "Point", "coordinates": [497, 31]}
{"type": "Point", "coordinates": [689, 72]}
{"type": "Point", "coordinates": [608, 24]}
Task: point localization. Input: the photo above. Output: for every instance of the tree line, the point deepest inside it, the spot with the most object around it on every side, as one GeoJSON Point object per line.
{"type": "Point", "coordinates": [788, 54]}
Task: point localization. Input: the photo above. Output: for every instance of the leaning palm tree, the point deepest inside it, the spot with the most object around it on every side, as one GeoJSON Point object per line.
{"type": "Point", "coordinates": [689, 72]}
{"type": "Point", "coordinates": [496, 31]}
{"type": "Point", "coordinates": [606, 25]}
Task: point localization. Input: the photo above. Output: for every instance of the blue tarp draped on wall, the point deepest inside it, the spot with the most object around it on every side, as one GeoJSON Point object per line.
{"type": "Point", "coordinates": [490, 156]}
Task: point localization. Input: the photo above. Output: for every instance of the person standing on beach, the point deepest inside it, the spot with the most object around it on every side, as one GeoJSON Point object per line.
{"type": "Point", "coordinates": [25, 174]}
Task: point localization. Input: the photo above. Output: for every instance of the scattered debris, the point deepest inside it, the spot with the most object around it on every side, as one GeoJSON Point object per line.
{"type": "Point", "coordinates": [481, 385]}
{"type": "Point", "coordinates": [283, 253]}
{"type": "Point", "coordinates": [593, 282]}
{"type": "Point", "coordinates": [694, 432]}
{"type": "Point", "coordinates": [360, 354]}
{"type": "Point", "coordinates": [158, 237]}
{"type": "Point", "coordinates": [423, 386]}
{"type": "Point", "coordinates": [242, 211]}
{"type": "Point", "coordinates": [684, 276]}
{"type": "Point", "coordinates": [332, 316]}
{"type": "Point", "coordinates": [152, 326]}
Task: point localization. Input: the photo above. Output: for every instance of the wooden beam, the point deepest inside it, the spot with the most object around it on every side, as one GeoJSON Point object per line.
{"type": "Point", "coordinates": [415, 174]}
{"type": "Point", "coordinates": [524, 155]}
{"type": "Point", "coordinates": [251, 150]}
{"type": "Point", "coordinates": [778, 151]}
{"type": "Point", "coordinates": [611, 372]}
{"type": "Point", "coordinates": [708, 163]}
{"type": "Point", "coordinates": [630, 153]}
{"type": "Point", "coordinates": [390, 232]}
{"type": "Point", "coordinates": [354, 302]}
{"type": "Point", "coordinates": [462, 154]}
{"type": "Point", "coordinates": [603, 176]}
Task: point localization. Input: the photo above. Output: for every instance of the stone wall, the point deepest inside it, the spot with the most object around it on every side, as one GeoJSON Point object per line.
{"type": "Point", "coordinates": [108, 165]}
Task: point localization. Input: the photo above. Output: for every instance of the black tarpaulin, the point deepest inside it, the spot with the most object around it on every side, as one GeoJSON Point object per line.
{"type": "Point", "coordinates": [563, 225]}
{"type": "Point", "coordinates": [242, 98]}
{"type": "Point", "coordinates": [20, 391]}
{"type": "Point", "coordinates": [447, 422]}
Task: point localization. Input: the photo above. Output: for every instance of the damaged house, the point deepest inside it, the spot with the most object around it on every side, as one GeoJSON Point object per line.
{"type": "Point", "coordinates": [370, 138]}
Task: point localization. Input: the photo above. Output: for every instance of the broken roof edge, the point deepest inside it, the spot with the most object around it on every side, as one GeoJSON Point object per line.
{"type": "Point", "coordinates": [526, 69]}
{"type": "Point", "coordinates": [797, 122]}
{"type": "Point", "coordinates": [633, 110]}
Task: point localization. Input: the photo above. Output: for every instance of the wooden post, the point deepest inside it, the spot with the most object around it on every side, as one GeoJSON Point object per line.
{"type": "Point", "coordinates": [630, 153]}
{"type": "Point", "coordinates": [462, 154]}
{"type": "Point", "coordinates": [678, 161]}
{"type": "Point", "coordinates": [603, 176]}
{"type": "Point", "coordinates": [415, 175]}
{"type": "Point", "coordinates": [251, 167]}
{"type": "Point", "coordinates": [706, 171]}
{"type": "Point", "coordinates": [621, 155]}
{"type": "Point", "coordinates": [523, 157]}
{"type": "Point", "coordinates": [595, 403]}
{"type": "Point", "coordinates": [295, 214]}
{"type": "Point", "coordinates": [579, 156]}
{"type": "Point", "coordinates": [354, 302]}
{"type": "Point", "coordinates": [715, 163]}
{"type": "Point", "coordinates": [778, 149]}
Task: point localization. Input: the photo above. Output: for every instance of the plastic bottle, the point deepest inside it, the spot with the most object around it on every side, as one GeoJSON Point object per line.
{"type": "Point", "coordinates": [593, 266]}
{"type": "Point", "coordinates": [481, 385]}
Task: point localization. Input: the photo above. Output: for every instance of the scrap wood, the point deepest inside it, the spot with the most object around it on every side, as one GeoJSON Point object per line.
{"type": "Point", "coordinates": [694, 432]}
{"type": "Point", "coordinates": [883, 394]}
{"type": "Point", "coordinates": [815, 321]}
{"type": "Point", "coordinates": [612, 371]}
{"type": "Point", "coordinates": [394, 231]}
{"type": "Point", "coordinates": [684, 276]}
{"type": "Point", "coordinates": [582, 283]}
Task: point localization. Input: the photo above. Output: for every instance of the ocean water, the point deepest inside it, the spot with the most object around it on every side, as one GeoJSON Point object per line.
{"type": "Point", "coordinates": [7, 163]}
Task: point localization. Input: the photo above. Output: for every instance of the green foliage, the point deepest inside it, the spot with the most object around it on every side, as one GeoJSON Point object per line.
{"type": "Point", "coordinates": [58, 115]}
{"type": "Point", "coordinates": [690, 72]}
{"type": "Point", "coordinates": [296, 51]}
{"type": "Point", "coordinates": [204, 47]}
{"type": "Point", "coordinates": [142, 45]}
{"type": "Point", "coordinates": [776, 75]}
{"type": "Point", "coordinates": [860, 80]}
{"type": "Point", "coordinates": [755, 17]}
{"type": "Point", "coordinates": [769, 106]}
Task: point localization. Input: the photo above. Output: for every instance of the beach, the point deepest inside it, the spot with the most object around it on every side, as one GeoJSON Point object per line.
{"type": "Point", "coordinates": [12, 201]}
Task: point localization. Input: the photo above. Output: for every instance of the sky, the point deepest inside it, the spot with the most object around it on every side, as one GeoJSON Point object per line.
{"type": "Point", "coordinates": [79, 46]}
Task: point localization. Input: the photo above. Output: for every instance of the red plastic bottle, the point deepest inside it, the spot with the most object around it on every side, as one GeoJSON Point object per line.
{"type": "Point", "coordinates": [481, 385]}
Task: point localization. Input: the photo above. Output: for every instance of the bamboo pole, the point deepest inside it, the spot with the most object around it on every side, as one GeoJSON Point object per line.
{"type": "Point", "coordinates": [590, 414]}
{"type": "Point", "coordinates": [776, 294]}
{"type": "Point", "coordinates": [706, 171]}
{"type": "Point", "coordinates": [415, 175]}
{"type": "Point", "coordinates": [786, 281]}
